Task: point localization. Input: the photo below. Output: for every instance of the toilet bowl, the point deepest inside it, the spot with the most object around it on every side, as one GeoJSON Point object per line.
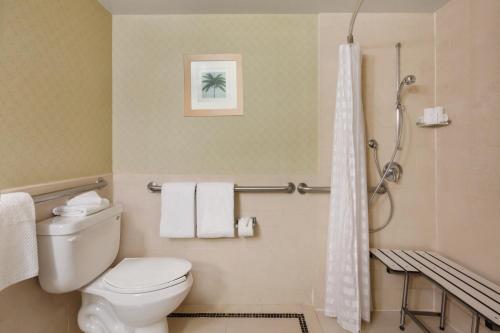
{"type": "Point", "coordinates": [135, 296]}
{"type": "Point", "coordinates": [141, 303]}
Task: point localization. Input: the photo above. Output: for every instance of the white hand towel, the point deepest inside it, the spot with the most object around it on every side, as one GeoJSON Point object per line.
{"type": "Point", "coordinates": [215, 210]}
{"type": "Point", "coordinates": [91, 198]}
{"type": "Point", "coordinates": [80, 210]}
{"type": "Point", "coordinates": [177, 210]}
{"type": "Point", "coordinates": [18, 250]}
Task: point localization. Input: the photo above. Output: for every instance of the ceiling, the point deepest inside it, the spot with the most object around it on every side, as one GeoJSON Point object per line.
{"type": "Point", "coordinates": [141, 7]}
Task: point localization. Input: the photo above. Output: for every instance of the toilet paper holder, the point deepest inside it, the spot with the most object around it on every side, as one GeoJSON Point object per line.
{"type": "Point", "coordinates": [254, 222]}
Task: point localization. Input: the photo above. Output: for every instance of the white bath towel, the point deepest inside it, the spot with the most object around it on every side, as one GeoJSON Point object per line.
{"type": "Point", "coordinates": [91, 198]}
{"type": "Point", "coordinates": [80, 210]}
{"type": "Point", "coordinates": [18, 249]}
{"type": "Point", "coordinates": [177, 210]}
{"type": "Point", "coordinates": [215, 210]}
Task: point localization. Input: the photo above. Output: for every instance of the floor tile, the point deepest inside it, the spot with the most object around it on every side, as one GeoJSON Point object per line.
{"type": "Point", "coordinates": [262, 325]}
{"type": "Point", "coordinates": [383, 322]}
{"type": "Point", "coordinates": [197, 325]}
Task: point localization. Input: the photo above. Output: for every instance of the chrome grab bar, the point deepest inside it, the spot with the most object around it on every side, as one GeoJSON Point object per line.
{"type": "Point", "coordinates": [303, 188]}
{"type": "Point", "coordinates": [100, 183]}
{"type": "Point", "coordinates": [290, 188]}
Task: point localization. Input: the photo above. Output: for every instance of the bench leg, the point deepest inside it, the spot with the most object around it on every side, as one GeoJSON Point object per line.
{"type": "Point", "coordinates": [404, 302]}
{"type": "Point", "coordinates": [475, 323]}
{"type": "Point", "coordinates": [443, 310]}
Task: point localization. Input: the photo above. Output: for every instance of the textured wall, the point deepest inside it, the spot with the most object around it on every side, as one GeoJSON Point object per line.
{"type": "Point", "coordinates": [468, 151]}
{"type": "Point", "coordinates": [277, 133]}
{"type": "Point", "coordinates": [55, 90]}
{"type": "Point", "coordinates": [55, 123]}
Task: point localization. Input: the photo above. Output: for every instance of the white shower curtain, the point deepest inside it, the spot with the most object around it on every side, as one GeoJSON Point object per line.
{"type": "Point", "coordinates": [348, 270]}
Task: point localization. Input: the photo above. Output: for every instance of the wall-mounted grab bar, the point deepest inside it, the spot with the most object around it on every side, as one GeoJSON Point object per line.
{"type": "Point", "coordinates": [100, 183]}
{"type": "Point", "coordinates": [303, 188]}
{"type": "Point", "coordinates": [290, 188]}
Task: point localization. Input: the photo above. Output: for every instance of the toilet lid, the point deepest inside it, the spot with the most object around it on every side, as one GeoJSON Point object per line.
{"type": "Point", "coordinates": [140, 275]}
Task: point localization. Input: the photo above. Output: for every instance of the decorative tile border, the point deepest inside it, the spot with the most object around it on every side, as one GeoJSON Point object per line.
{"type": "Point", "coordinates": [299, 316]}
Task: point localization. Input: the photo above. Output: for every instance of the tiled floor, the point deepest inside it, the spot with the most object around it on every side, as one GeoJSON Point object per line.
{"type": "Point", "coordinates": [383, 322]}
{"type": "Point", "coordinates": [234, 325]}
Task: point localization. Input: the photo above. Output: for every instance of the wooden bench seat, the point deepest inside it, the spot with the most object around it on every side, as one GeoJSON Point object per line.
{"type": "Point", "coordinates": [481, 296]}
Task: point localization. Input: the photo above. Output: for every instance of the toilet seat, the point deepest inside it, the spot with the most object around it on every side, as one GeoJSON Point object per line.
{"type": "Point", "coordinates": [142, 275]}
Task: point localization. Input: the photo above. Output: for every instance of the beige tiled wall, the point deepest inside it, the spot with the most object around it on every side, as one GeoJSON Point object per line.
{"type": "Point", "coordinates": [284, 263]}
{"type": "Point", "coordinates": [468, 151]}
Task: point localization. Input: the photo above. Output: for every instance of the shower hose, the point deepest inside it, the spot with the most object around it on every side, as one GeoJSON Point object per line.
{"type": "Point", "coordinates": [383, 175]}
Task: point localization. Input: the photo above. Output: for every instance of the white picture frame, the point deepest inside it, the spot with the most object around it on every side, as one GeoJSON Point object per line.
{"type": "Point", "coordinates": [213, 85]}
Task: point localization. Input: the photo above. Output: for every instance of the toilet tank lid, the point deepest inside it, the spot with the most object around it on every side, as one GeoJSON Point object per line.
{"type": "Point", "coordinates": [65, 225]}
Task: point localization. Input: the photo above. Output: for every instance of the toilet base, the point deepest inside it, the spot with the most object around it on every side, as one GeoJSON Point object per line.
{"type": "Point", "coordinates": [103, 311]}
{"type": "Point", "coordinates": [97, 316]}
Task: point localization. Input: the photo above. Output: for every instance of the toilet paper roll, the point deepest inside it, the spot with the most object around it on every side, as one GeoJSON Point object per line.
{"type": "Point", "coordinates": [430, 116]}
{"type": "Point", "coordinates": [440, 114]}
{"type": "Point", "coordinates": [245, 226]}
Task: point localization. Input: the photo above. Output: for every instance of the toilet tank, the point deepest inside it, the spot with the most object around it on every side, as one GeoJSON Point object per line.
{"type": "Point", "coordinates": [72, 251]}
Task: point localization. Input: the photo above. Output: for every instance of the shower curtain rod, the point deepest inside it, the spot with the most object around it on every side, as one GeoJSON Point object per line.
{"type": "Point", "coordinates": [350, 37]}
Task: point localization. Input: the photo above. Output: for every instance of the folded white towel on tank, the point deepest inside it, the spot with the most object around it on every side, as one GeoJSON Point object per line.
{"type": "Point", "coordinates": [18, 248]}
{"type": "Point", "coordinates": [178, 210]}
{"type": "Point", "coordinates": [80, 210]}
{"type": "Point", "coordinates": [215, 210]}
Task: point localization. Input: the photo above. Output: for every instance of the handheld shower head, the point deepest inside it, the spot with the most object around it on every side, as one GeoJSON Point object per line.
{"type": "Point", "coordinates": [407, 81]}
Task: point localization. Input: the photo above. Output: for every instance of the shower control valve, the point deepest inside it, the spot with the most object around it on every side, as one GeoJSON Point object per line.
{"type": "Point", "coordinates": [394, 173]}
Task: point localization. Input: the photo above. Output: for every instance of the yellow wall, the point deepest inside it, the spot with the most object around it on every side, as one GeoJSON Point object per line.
{"type": "Point", "coordinates": [55, 90]}
{"type": "Point", "coordinates": [468, 151]}
{"type": "Point", "coordinates": [277, 133]}
{"type": "Point", "coordinates": [55, 123]}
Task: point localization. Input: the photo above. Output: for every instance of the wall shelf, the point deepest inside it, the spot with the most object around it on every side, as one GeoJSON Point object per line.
{"type": "Point", "coordinates": [443, 124]}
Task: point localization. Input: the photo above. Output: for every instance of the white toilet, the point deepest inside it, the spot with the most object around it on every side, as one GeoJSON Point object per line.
{"type": "Point", "coordinates": [133, 297]}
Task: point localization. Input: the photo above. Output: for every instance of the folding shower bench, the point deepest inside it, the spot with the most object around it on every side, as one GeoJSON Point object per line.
{"type": "Point", "coordinates": [479, 295]}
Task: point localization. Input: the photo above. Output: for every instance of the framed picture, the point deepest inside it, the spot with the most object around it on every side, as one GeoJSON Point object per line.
{"type": "Point", "coordinates": [213, 85]}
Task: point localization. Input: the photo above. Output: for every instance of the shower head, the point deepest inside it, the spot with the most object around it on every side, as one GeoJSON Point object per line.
{"type": "Point", "coordinates": [407, 81]}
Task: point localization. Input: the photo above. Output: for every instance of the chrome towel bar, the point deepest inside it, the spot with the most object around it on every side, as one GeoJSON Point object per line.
{"type": "Point", "coordinates": [303, 188]}
{"type": "Point", "coordinates": [100, 183]}
{"type": "Point", "coordinates": [290, 188]}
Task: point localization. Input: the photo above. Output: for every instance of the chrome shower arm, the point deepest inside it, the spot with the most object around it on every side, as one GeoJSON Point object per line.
{"type": "Point", "coordinates": [350, 37]}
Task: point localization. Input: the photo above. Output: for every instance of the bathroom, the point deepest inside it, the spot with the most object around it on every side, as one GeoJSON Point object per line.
{"type": "Point", "coordinates": [97, 89]}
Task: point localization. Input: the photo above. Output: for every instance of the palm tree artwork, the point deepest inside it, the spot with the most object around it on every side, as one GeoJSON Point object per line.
{"type": "Point", "coordinates": [215, 81]}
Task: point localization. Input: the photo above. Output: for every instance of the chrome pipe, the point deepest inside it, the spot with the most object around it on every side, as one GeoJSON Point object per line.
{"type": "Point", "coordinates": [303, 188]}
{"type": "Point", "coordinates": [404, 302]}
{"type": "Point", "coordinates": [290, 188]}
{"type": "Point", "coordinates": [100, 183]}
{"type": "Point", "coordinates": [350, 37]}
{"type": "Point", "coordinates": [442, 320]}
{"type": "Point", "coordinates": [475, 322]}
{"type": "Point", "coordinates": [398, 66]}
